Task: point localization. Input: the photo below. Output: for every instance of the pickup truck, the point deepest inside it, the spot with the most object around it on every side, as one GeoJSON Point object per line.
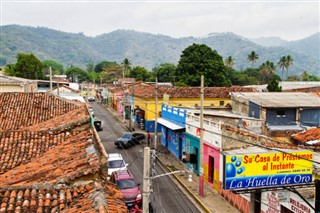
{"type": "Point", "coordinates": [128, 139]}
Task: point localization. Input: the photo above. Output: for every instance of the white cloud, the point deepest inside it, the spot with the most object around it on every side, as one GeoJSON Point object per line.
{"type": "Point", "coordinates": [288, 20]}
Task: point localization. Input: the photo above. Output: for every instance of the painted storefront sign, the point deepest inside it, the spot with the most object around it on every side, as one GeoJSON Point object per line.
{"type": "Point", "coordinates": [267, 170]}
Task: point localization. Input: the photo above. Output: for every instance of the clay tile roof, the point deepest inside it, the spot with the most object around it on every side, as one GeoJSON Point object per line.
{"type": "Point", "coordinates": [74, 118]}
{"type": "Point", "coordinates": [89, 197]}
{"type": "Point", "coordinates": [19, 110]}
{"type": "Point", "coordinates": [308, 135]}
{"type": "Point", "coordinates": [39, 156]}
{"type": "Point", "coordinates": [148, 91]}
{"type": "Point", "coordinates": [45, 159]}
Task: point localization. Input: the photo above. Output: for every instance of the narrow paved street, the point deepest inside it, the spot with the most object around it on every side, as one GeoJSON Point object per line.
{"type": "Point", "coordinates": [167, 196]}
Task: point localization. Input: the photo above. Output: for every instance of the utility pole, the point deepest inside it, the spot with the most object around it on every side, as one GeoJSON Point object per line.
{"type": "Point", "coordinates": [156, 116]}
{"type": "Point", "coordinates": [130, 108]}
{"type": "Point", "coordinates": [201, 194]}
{"type": "Point", "coordinates": [146, 180]}
{"type": "Point", "coordinates": [124, 105]}
{"type": "Point", "coordinates": [50, 71]}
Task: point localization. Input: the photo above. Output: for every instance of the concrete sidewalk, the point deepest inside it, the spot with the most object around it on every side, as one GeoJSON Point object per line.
{"type": "Point", "coordinates": [210, 202]}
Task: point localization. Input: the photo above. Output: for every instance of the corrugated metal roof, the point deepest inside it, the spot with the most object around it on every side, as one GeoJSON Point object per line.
{"type": "Point", "coordinates": [281, 99]}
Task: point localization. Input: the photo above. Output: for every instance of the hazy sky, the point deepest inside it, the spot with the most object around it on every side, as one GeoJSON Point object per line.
{"type": "Point", "coordinates": [290, 20]}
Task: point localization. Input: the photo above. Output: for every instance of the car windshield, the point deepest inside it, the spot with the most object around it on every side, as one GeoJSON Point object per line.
{"type": "Point", "coordinates": [126, 184]}
{"type": "Point", "coordinates": [126, 135]}
{"type": "Point", "coordinates": [115, 164]}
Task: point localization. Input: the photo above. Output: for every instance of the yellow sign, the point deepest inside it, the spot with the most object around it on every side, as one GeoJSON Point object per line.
{"type": "Point", "coordinates": [166, 97]}
{"type": "Point", "coordinates": [267, 169]}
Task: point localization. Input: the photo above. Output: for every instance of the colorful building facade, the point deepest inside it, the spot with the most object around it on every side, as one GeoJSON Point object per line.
{"type": "Point", "coordinates": [172, 124]}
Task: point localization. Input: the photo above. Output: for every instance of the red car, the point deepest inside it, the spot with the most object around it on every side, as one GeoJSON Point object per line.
{"type": "Point", "coordinates": [125, 181]}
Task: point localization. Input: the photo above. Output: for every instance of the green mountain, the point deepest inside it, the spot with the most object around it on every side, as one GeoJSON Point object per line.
{"type": "Point", "coordinates": [142, 49]}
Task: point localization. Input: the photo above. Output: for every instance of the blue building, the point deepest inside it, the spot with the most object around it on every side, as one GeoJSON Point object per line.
{"type": "Point", "coordinates": [172, 124]}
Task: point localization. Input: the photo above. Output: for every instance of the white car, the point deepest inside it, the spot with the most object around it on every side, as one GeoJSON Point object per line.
{"type": "Point", "coordinates": [115, 163]}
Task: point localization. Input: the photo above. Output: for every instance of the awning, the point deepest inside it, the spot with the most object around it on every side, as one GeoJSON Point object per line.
{"type": "Point", "coordinates": [169, 124]}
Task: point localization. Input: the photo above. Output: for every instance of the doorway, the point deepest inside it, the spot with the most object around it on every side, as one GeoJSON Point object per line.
{"type": "Point", "coordinates": [211, 169]}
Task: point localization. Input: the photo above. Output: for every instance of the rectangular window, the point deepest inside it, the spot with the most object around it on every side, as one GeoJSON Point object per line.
{"type": "Point", "coordinates": [221, 103]}
{"type": "Point", "coordinates": [281, 113]}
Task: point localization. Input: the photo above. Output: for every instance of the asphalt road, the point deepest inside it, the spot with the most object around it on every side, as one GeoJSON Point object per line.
{"type": "Point", "coordinates": [167, 196]}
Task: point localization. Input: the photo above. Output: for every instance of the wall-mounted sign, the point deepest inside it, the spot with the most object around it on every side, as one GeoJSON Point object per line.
{"type": "Point", "coordinates": [166, 97]}
{"type": "Point", "coordinates": [267, 170]}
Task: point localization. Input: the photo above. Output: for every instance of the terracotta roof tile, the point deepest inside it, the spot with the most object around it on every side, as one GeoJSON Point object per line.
{"type": "Point", "coordinates": [19, 110]}
{"type": "Point", "coordinates": [51, 163]}
{"type": "Point", "coordinates": [147, 91]}
{"type": "Point", "coordinates": [73, 118]}
{"type": "Point", "coordinates": [308, 135]}
{"type": "Point", "coordinates": [40, 161]}
{"type": "Point", "coordinates": [17, 147]}
{"type": "Point", "coordinates": [51, 198]}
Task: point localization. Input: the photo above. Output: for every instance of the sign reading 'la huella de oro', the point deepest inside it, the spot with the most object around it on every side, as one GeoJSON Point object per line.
{"type": "Point", "coordinates": [267, 170]}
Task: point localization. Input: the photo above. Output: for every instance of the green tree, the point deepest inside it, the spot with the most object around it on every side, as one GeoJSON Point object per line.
{"type": "Point", "coordinates": [90, 66]}
{"type": "Point", "coordinates": [77, 74]}
{"type": "Point", "coordinates": [94, 77]}
{"type": "Point", "coordinates": [140, 73]}
{"type": "Point", "coordinates": [240, 78]}
{"type": "Point", "coordinates": [28, 66]}
{"type": "Point", "coordinates": [126, 66]}
{"type": "Point", "coordinates": [111, 73]}
{"type": "Point", "coordinates": [165, 72]}
{"type": "Point", "coordinates": [197, 60]}
{"type": "Point", "coordinates": [267, 70]}
{"type": "Point", "coordinates": [253, 57]}
{"type": "Point", "coordinates": [9, 69]}
{"type": "Point", "coordinates": [56, 68]}
{"type": "Point", "coordinates": [289, 63]}
{"type": "Point", "coordinates": [103, 65]}
{"type": "Point", "coordinates": [305, 76]}
{"type": "Point", "coordinates": [273, 85]}
{"type": "Point", "coordinates": [252, 72]}
{"type": "Point", "coordinates": [229, 62]}
{"type": "Point", "coordinates": [282, 64]}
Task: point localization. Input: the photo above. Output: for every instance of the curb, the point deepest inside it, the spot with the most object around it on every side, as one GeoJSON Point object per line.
{"type": "Point", "coordinates": [187, 189]}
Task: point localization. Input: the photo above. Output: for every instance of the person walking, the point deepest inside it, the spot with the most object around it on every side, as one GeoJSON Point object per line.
{"type": "Point", "coordinates": [148, 138]}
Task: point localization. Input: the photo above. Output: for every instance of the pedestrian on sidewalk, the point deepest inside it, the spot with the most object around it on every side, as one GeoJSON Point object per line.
{"type": "Point", "coordinates": [148, 138]}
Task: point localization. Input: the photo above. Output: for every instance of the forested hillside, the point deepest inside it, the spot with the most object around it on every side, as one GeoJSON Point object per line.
{"type": "Point", "coordinates": [145, 49]}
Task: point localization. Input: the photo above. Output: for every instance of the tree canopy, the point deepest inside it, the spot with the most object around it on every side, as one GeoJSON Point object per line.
{"type": "Point", "coordinates": [165, 72]}
{"type": "Point", "coordinates": [253, 57]}
{"type": "Point", "coordinates": [103, 65]}
{"type": "Point", "coordinates": [126, 65]}
{"type": "Point", "coordinates": [140, 73]}
{"type": "Point", "coordinates": [28, 66]}
{"type": "Point", "coordinates": [76, 74]}
{"type": "Point", "coordinates": [273, 85]}
{"type": "Point", "coordinates": [229, 61]}
{"type": "Point", "coordinates": [56, 67]}
{"type": "Point", "coordinates": [197, 60]}
{"type": "Point", "coordinates": [111, 73]}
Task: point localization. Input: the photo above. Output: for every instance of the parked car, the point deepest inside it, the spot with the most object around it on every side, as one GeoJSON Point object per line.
{"type": "Point", "coordinates": [98, 124]}
{"type": "Point", "coordinates": [125, 181]}
{"type": "Point", "coordinates": [91, 99]}
{"type": "Point", "coordinates": [116, 163]}
{"type": "Point", "coordinates": [128, 139]}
